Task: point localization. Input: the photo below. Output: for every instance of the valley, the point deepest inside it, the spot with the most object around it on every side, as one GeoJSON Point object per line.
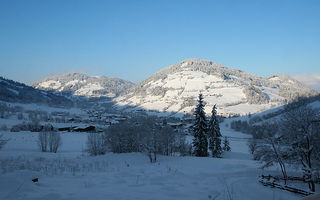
{"type": "Point", "coordinates": [159, 100]}
{"type": "Point", "coordinates": [83, 109]}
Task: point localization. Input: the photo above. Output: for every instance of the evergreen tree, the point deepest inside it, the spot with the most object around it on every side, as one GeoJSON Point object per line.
{"type": "Point", "coordinates": [226, 145]}
{"type": "Point", "coordinates": [200, 142]}
{"type": "Point", "coordinates": [214, 135]}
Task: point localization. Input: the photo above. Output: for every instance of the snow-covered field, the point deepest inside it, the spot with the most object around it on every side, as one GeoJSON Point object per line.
{"type": "Point", "coordinates": [72, 174]}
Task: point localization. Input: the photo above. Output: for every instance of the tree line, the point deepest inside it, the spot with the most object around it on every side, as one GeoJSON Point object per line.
{"type": "Point", "coordinates": [150, 135]}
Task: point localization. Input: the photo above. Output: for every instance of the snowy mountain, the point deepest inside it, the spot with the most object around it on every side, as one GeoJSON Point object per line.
{"type": "Point", "coordinates": [14, 92]}
{"type": "Point", "coordinates": [83, 85]}
{"type": "Point", "coordinates": [175, 89]}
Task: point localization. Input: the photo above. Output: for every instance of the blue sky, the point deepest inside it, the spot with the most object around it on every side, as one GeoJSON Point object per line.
{"type": "Point", "coordinates": [133, 39]}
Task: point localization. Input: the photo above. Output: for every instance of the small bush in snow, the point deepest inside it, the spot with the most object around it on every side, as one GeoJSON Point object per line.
{"type": "Point", "coordinates": [49, 141]}
{"type": "Point", "coordinates": [43, 141]}
{"type": "Point", "coordinates": [54, 141]}
{"type": "Point", "coordinates": [96, 144]}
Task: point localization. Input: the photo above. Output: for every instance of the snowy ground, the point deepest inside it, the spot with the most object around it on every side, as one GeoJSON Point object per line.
{"type": "Point", "coordinates": [71, 174]}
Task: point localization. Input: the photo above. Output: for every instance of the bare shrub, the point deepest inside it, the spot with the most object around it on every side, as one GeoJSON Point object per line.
{"type": "Point", "coordinates": [43, 141]}
{"type": "Point", "coordinates": [252, 144]}
{"type": "Point", "coordinates": [49, 141]}
{"type": "Point", "coordinates": [96, 144]}
{"type": "Point", "coordinates": [54, 141]}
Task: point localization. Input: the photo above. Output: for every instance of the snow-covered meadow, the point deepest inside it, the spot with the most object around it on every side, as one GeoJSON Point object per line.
{"type": "Point", "coordinates": [72, 174]}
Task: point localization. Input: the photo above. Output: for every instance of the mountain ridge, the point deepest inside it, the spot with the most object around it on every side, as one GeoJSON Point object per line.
{"type": "Point", "coordinates": [174, 89]}
{"type": "Point", "coordinates": [15, 92]}
{"type": "Point", "coordinates": [177, 86]}
{"type": "Point", "coordinates": [83, 85]}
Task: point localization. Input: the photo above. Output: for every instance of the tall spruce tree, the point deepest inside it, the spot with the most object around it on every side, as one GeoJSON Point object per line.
{"type": "Point", "coordinates": [200, 142]}
{"type": "Point", "coordinates": [214, 135]}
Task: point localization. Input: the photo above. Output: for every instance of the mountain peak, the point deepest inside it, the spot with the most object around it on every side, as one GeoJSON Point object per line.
{"type": "Point", "coordinates": [192, 61]}
{"type": "Point", "coordinates": [196, 62]}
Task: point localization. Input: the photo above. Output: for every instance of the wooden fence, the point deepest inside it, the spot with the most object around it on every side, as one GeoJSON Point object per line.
{"type": "Point", "coordinates": [271, 182]}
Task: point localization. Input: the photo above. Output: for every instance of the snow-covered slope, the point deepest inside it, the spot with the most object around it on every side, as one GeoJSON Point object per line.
{"type": "Point", "coordinates": [14, 92]}
{"type": "Point", "coordinates": [275, 114]}
{"type": "Point", "coordinates": [313, 80]}
{"type": "Point", "coordinates": [175, 89]}
{"type": "Point", "coordinates": [83, 85]}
